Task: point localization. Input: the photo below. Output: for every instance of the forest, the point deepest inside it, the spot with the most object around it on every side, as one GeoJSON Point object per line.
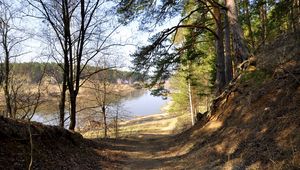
{"type": "Point", "coordinates": [228, 71]}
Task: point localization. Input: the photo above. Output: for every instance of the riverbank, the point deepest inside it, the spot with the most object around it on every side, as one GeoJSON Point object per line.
{"type": "Point", "coordinates": [142, 126]}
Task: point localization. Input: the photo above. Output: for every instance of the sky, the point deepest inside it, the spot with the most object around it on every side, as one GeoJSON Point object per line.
{"type": "Point", "coordinates": [129, 35]}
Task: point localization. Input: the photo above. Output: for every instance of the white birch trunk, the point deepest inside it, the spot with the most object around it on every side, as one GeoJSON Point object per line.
{"type": "Point", "coordinates": [191, 102]}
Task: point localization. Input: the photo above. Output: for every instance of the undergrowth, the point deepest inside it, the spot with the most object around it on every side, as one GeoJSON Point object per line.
{"type": "Point", "coordinates": [256, 78]}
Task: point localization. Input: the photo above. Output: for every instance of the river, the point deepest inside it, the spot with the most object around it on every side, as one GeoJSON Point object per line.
{"type": "Point", "coordinates": [138, 103]}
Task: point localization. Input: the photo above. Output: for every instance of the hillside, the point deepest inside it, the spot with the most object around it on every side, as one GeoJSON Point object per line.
{"type": "Point", "coordinates": [254, 124]}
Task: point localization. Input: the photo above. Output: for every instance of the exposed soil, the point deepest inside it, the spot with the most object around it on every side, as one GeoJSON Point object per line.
{"type": "Point", "coordinates": [254, 125]}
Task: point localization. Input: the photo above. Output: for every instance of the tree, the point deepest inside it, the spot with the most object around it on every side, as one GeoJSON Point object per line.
{"type": "Point", "coordinates": [192, 79]}
{"type": "Point", "coordinates": [219, 46]}
{"type": "Point", "coordinates": [161, 54]}
{"type": "Point", "coordinates": [263, 18]}
{"type": "Point", "coordinates": [227, 44]}
{"type": "Point", "coordinates": [77, 27]}
{"type": "Point", "coordinates": [11, 38]}
{"type": "Point", "coordinates": [26, 98]}
{"type": "Point", "coordinates": [241, 50]}
{"type": "Point", "coordinates": [197, 14]}
{"type": "Point", "coordinates": [105, 96]}
{"type": "Point", "coordinates": [103, 91]}
{"type": "Point", "coordinates": [246, 5]}
{"type": "Point", "coordinates": [191, 87]}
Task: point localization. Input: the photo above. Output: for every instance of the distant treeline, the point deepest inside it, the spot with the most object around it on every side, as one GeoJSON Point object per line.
{"type": "Point", "coordinates": [35, 71]}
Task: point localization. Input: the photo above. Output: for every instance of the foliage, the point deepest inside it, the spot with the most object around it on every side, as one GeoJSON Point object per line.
{"type": "Point", "coordinates": [148, 11]}
{"type": "Point", "coordinates": [257, 77]}
{"type": "Point", "coordinates": [280, 16]}
{"type": "Point", "coordinates": [164, 55]}
{"type": "Point", "coordinates": [202, 79]}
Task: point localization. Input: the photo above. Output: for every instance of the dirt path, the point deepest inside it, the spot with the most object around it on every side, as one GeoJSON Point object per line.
{"type": "Point", "coordinates": [149, 152]}
{"type": "Point", "coordinates": [146, 145]}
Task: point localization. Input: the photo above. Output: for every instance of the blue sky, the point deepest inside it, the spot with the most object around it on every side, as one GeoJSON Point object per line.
{"type": "Point", "coordinates": [34, 47]}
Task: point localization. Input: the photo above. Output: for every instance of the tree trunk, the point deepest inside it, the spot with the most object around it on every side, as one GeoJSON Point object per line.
{"type": "Point", "coordinates": [62, 103]}
{"type": "Point", "coordinates": [228, 61]}
{"type": "Point", "coordinates": [295, 15]}
{"type": "Point", "coordinates": [6, 87]}
{"type": "Point", "coordinates": [191, 102]}
{"type": "Point", "coordinates": [220, 63]}
{"type": "Point", "coordinates": [73, 111]}
{"type": "Point", "coordinates": [104, 120]}
{"type": "Point", "coordinates": [6, 71]}
{"type": "Point", "coordinates": [117, 124]}
{"type": "Point", "coordinates": [240, 48]}
{"type": "Point", "coordinates": [263, 19]}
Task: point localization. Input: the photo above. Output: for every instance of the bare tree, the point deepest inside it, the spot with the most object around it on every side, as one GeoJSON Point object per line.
{"type": "Point", "coordinates": [29, 100]}
{"type": "Point", "coordinates": [11, 37]}
{"type": "Point", "coordinates": [76, 25]}
{"type": "Point", "coordinates": [105, 95]}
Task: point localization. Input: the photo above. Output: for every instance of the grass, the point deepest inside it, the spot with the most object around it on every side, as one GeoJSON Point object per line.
{"type": "Point", "coordinates": [140, 126]}
{"type": "Point", "coordinates": [256, 77]}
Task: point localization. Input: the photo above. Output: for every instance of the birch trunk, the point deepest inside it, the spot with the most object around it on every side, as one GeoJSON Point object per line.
{"type": "Point", "coordinates": [191, 102]}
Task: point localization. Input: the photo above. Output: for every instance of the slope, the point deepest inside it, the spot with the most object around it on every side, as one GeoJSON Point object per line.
{"type": "Point", "coordinates": [255, 124]}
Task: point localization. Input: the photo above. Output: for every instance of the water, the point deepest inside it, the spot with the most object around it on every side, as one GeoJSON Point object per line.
{"type": "Point", "coordinates": [138, 103]}
{"type": "Point", "coordinates": [144, 104]}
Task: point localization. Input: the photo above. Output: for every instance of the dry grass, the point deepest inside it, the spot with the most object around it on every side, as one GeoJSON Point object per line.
{"type": "Point", "coordinates": [163, 124]}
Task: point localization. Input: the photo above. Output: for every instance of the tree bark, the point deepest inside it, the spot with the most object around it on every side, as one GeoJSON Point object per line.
{"type": "Point", "coordinates": [72, 112]}
{"type": "Point", "coordinates": [6, 86]}
{"type": "Point", "coordinates": [69, 64]}
{"type": "Point", "coordinates": [104, 105]}
{"type": "Point", "coordinates": [66, 68]}
{"type": "Point", "coordinates": [295, 15]}
{"type": "Point", "coordinates": [241, 50]}
{"type": "Point", "coordinates": [263, 19]}
{"type": "Point", "coordinates": [220, 63]}
{"type": "Point", "coordinates": [104, 120]}
{"type": "Point", "coordinates": [191, 103]}
{"type": "Point", "coordinates": [4, 34]}
{"type": "Point", "coordinates": [228, 60]}
{"type": "Point", "coordinates": [62, 103]}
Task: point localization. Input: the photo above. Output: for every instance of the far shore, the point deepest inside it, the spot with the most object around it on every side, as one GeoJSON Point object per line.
{"type": "Point", "coordinates": [51, 95]}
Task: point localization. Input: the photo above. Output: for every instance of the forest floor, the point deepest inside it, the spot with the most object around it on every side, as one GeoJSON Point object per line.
{"type": "Point", "coordinates": [254, 124]}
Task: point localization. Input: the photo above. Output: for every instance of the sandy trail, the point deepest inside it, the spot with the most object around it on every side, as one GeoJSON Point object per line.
{"type": "Point", "coordinates": [150, 152]}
